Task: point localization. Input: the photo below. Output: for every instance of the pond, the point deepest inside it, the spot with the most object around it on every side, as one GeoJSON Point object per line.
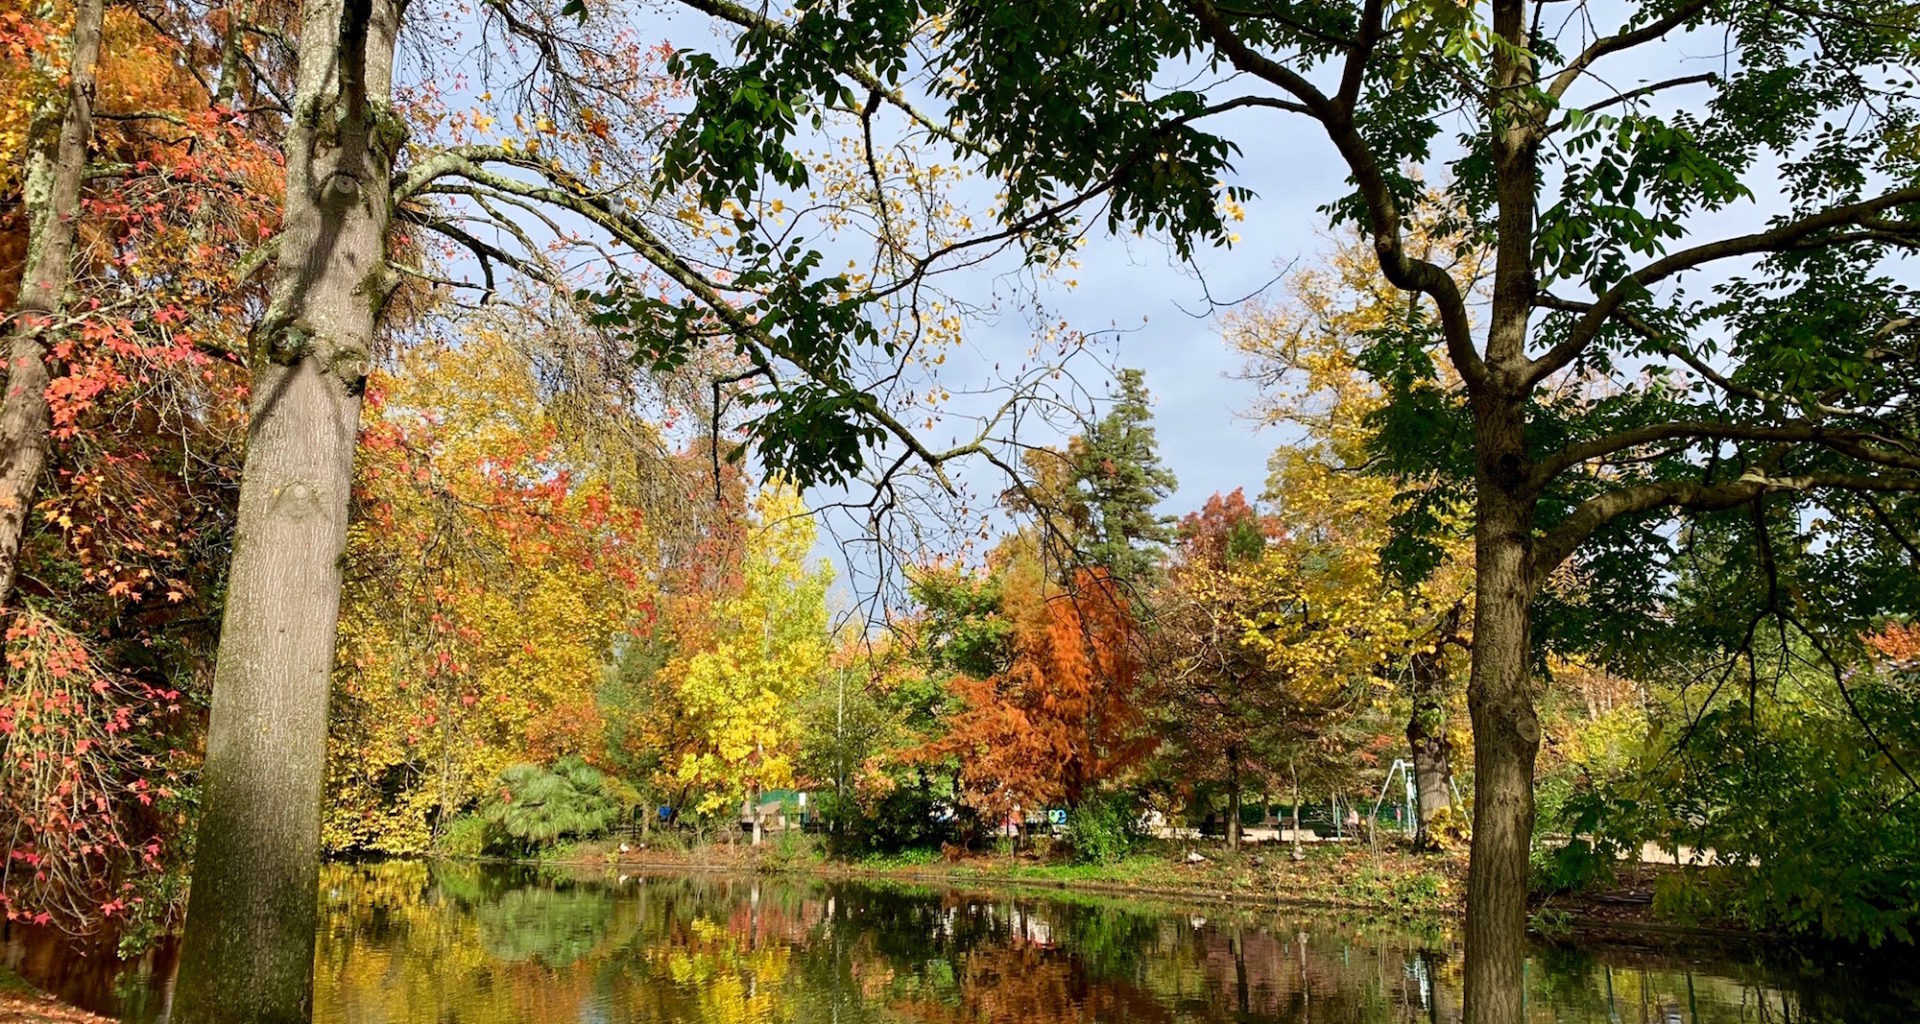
{"type": "Point", "coordinates": [462, 944]}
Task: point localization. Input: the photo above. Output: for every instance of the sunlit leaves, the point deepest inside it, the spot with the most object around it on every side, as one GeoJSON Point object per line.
{"type": "Point", "coordinates": [1061, 715]}
{"type": "Point", "coordinates": [495, 563]}
{"type": "Point", "coordinates": [815, 428]}
{"type": "Point", "coordinates": [740, 690]}
{"type": "Point", "coordinates": [72, 759]}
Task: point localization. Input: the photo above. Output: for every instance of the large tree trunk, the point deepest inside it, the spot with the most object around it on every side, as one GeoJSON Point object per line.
{"type": "Point", "coordinates": [1506, 737]}
{"type": "Point", "coordinates": [1506, 733]}
{"type": "Point", "coordinates": [251, 918]}
{"type": "Point", "coordinates": [56, 169]}
{"type": "Point", "coordinates": [1427, 736]}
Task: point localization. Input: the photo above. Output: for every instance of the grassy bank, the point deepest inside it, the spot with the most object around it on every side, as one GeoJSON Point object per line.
{"type": "Point", "coordinates": [1388, 882]}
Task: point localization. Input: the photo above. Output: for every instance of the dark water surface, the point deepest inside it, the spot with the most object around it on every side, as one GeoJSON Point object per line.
{"type": "Point", "coordinates": [460, 944]}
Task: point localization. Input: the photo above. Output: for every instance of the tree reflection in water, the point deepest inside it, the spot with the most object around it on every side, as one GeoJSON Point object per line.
{"type": "Point", "coordinates": [463, 944]}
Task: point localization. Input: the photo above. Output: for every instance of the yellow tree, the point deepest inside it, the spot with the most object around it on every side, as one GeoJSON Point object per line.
{"type": "Point", "coordinates": [768, 648]}
{"type": "Point", "coordinates": [1332, 614]}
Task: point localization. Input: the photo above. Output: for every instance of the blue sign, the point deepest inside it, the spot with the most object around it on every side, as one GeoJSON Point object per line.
{"type": "Point", "coordinates": [1056, 816]}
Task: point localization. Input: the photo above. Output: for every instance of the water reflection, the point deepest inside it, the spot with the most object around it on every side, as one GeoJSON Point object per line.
{"type": "Point", "coordinates": [458, 944]}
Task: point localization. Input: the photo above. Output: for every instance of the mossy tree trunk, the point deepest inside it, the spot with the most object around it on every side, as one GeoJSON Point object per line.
{"type": "Point", "coordinates": [251, 918]}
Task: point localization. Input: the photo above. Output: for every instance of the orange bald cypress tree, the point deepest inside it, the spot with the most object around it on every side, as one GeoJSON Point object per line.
{"type": "Point", "coordinates": [1064, 715]}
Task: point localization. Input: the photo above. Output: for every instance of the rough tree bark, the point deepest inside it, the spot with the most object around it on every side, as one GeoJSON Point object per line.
{"type": "Point", "coordinates": [1506, 738]}
{"type": "Point", "coordinates": [1427, 733]}
{"type": "Point", "coordinates": [1506, 732]}
{"type": "Point", "coordinates": [1432, 751]}
{"type": "Point", "coordinates": [56, 170]}
{"type": "Point", "coordinates": [251, 918]}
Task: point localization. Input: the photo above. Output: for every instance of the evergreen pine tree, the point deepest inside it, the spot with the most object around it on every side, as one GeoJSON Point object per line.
{"type": "Point", "coordinates": [1120, 479]}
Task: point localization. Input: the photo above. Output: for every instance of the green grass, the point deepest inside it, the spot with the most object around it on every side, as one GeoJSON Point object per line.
{"type": "Point", "coordinates": [12, 984]}
{"type": "Point", "coordinates": [1409, 892]}
{"type": "Point", "coordinates": [908, 858]}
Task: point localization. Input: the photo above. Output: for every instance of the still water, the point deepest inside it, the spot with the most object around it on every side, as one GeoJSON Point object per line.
{"type": "Point", "coordinates": [461, 944]}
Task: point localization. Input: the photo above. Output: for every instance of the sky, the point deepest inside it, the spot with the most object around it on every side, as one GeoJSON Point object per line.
{"type": "Point", "coordinates": [1150, 305]}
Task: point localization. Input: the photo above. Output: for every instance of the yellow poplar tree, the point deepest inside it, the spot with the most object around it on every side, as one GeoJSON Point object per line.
{"type": "Point", "coordinates": [767, 649]}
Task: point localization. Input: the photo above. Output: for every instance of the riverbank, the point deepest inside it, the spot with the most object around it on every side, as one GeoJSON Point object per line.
{"type": "Point", "coordinates": [1389, 881]}
{"type": "Point", "coordinates": [1393, 882]}
{"type": "Point", "coordinates": [22, 1003]}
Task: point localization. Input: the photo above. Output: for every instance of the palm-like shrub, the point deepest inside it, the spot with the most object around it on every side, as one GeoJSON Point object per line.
{"type": "Point", "coordinates": [532, 806]}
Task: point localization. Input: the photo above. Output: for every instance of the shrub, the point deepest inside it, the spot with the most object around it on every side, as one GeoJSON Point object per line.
{"type": "Point", "coordinates": [1103, 829]}
{"type": "Point", "coordinates": [668, 840]}
{"type": "Point", "coordinates": [533, 807]}
{"type": "Point", "coordinates": [1793, 803]}
{"type": "Point", "coordinates": [1690, 898]}
{"type": "Point", "coordinates": [907, 818]}
{"type": "Point", "coordinates": [466, 836]}
{"type": "Point", "coordinates": [912, 857]}
{"type": "Point", "coordinates": [1416, 892]}
{"type": "Point", "coordinates": [788, 851]}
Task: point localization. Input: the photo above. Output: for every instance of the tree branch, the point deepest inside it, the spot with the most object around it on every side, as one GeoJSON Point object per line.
{"type": "Point", "coordinates": [734, 13]}
{"type": "Point", "coordinates": [1633, 94]}
{"type": "Point", "coordinates": [1667, 346]}
{"type": "Point", "coordinates": [1559, 543]}
{"type": "Point", "coordinates": [1780, 238]}
{"type": "Point", "coordinates": [606, 214]}
{"type": "Point", "coordinates": [1384, 219]}
{"type": "Point", "coordinates": [1353, 75]}
{"type": "Point", "coordinates": [1858, 444]}
{"type": "Point", "coordinates": [1624, 40]}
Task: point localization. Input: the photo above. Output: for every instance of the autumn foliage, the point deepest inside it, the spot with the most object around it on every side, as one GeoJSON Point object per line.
{"type": "Point", "coordinates": [109, 645]}
{"type": "Point", "coordinates": [497, 562]}
{"type": "Point", "coordinates": [79, 777]}
{"type": "Point", "coordinates": [1063, 716]}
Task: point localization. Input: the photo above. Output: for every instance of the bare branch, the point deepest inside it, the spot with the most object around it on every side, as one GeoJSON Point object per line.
{"type": "Point", "coordinates": [1623, 41]}
{"type": "Point", "coordinates": [1634, 94]}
